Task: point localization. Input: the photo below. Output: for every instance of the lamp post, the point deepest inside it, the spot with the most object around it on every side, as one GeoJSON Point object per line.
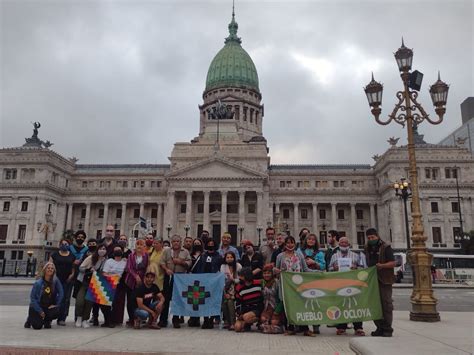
{"type": "Point", "coordinates": [459, 202]}
{"type": "Point", "coordinates": [402, 189]}
{"type": "Point", "coordinates": [187, 227]}
{"type": "Point", "coordinates": [412, 113]}
{"type": "Point", "coordinates": [241, 231]}
{"type": "Point", "coordinates": [259, 230]}
{"type": "Point", "coordinates": [168, 229]}
{"type": "Point", "coordinates": [464, 239]}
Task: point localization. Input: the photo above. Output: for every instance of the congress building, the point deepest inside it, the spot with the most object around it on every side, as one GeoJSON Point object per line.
{"type": "Point", "coordinates": [222, 180]}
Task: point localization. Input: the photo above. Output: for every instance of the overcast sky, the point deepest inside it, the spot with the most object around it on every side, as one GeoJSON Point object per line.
{"type": "Point", "coordinates": [121, 81]}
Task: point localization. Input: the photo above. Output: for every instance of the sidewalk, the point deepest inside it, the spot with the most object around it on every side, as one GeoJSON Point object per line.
{"type": "Point", "coordinates": [8, 280]}
{"type": "Point", "coordinates": [453, 335]}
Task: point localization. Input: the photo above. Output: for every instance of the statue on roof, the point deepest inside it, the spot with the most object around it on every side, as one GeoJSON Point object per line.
{"type": "Point", "coordinates": [34, 141]}
{"type": "Point", "coordinates": [393, 141]}
{"type": "Point", "coordinates": [36, 126]}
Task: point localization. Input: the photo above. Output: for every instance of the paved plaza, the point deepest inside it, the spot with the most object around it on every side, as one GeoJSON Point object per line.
{"type": "Point", "coordinates": [451, 336]}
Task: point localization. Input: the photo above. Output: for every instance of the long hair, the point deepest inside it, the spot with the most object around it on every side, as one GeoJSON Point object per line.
{"type": "Point", "coordinates": [315, 247]}
{"type": "Point", "coordinates": [43, 273]}
{"type": "Point", "coordinates": [95, 255]}
{"type": "Point", "coordinates": [234, 263]}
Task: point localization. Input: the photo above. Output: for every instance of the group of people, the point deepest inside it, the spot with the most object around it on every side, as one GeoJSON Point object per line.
{"type": "Point", "coordinates": [251, 292]}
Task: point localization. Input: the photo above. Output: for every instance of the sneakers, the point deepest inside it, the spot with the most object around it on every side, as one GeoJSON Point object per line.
{"type": "Point", "coordinates": [79, 322]}
{"type": "Point", "coordinates": [340, 332]}
{"type": "Point", "coordinates": [61, 323]}
{"type": "Point", "coordinates": [85, 324]}
{"type": "Point", "coordinates": [377, 333]}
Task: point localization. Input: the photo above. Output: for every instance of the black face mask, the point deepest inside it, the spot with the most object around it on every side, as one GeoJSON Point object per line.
{"type": "Point", "coordinates": [92, 248]}
{"type": "Point", "coordinates": [118, 253]}
{"type": "Point", "coordinates": [211, 248]}
{"type": "Point", "coordinates": [79, 241]}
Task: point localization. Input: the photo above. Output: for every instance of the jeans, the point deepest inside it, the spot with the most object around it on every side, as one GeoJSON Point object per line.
{"type": "Point", "coordinates": [35, 319]}
{"type": "Point", "coordinates": [142, 314]}
{"type": "Point", "coordinates": [64, 306]}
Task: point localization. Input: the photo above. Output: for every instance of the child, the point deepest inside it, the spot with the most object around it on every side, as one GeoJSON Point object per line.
{"type": "Point", "coordinates": [270, 318]}
{"type": "Point", "coordinates": [230, 269]}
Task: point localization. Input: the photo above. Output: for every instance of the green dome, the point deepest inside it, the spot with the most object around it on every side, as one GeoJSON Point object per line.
{"type": "Point", "coordinates": [232, 65]}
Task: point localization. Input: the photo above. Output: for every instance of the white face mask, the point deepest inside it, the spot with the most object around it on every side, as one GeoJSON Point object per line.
{"type": "Point", "coordinates": [344, 249]}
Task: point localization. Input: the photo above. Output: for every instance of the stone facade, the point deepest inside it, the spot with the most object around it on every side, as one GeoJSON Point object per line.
{"type": "Point", "coordinates": [222, 180]}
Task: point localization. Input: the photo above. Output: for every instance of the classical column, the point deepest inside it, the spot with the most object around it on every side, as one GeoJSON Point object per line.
{"type": "Point", "coordinates": [142, 210]}
{"type": "Point", "coordinates": [105, 219]}
{"type": "Point", "coordinates": [123, 219]}
{"type": "Point", "coordinates": [353, 237]}
{"type": "Point", "coordinates": [296, 226]}
{"type": "Point", "coordinates": [87, 219]}
{"type": "Point", "coordinates": [159, 220]}
{"type": "Point", "coordinates": [372, 216]}
{"type": "Point", "coordinates": [447, 230]}
{"type": "Point", "coordinates": [241, 208]}
{"type": "Point", "coordinates": [170, 213]}
{"type": "Point", "coordinates": [277, 217]}
{"type": "Point", "coordinates": [333, 216]}
{"type": "Point", "coordinates": [397, 222]}
{"type": "Point", "coordinates": [189, 206]}
{"type": "Point", "coordinates": [259, 208]}
{"type": "Point", "coordinates": [223, 212]}
{"type": "Point", "coordinates": [315, 220]}
{"type": "Point", "coordinates": [70, 211]}
{"type": "Point", "coordinates": [205, 222]}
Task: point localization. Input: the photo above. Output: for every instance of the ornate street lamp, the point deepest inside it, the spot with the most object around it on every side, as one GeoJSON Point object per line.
{"type": "Point", "coordinates": [168, 229]}
{"type": "Point", "coordinates": [412, 113]}
{"type": "Point", "coordinates": [464, 240]}
{"type": "Point", "coordinates": [402, 189]}
{"type": "Point", "coordinates": [259, 230]}
{"type": "Point", "coordinates": [187, 227]}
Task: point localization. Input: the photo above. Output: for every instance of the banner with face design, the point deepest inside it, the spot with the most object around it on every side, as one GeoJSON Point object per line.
{"type": "Point", "coordinates": [331, 298]}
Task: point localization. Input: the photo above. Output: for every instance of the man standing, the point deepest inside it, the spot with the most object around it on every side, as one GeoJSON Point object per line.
{"type": "Point", "coordinates": [269, 247]}
{"type": "Point", "coordinates": [225, 246]}
{"type": "Point", "coordinates": [188, 244]}
{"type": "Point", "coordinates": [333, 238]}
{"type": "Point", "coordinates": [175, 260]}
{"type": "Point", "coordinates": [380, 254]}
{"type": "Point", "coordinates": [280, 245]}
{"type": "Point", "coordinates": [252, 259]}
{"type": "Point", "coordinates": [109, 241]}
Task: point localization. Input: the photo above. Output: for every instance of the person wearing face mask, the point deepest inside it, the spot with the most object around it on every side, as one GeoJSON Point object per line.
{"type": "Point", "coordinates": [115, 266]}
{"type": "Point", "coordinates": [210, 262]}
{"type": "Point", "coordinates": [380, 254]}
{"type": "Point", "coordinates": [64, 262]}
{"type": "Point", "coordinates": [252, 259]}
{"type": "Point", "coordinates": [94, 262]}
{"type": "Point", "coordinates": [332, 247]}
{"type": "Point", "coordinates": [118, 304]}
{"type": "Point", "coordinates": [356, 262]}
{"type": "Point", "coordinates": [149, 243]}
{"type": "Point", "coordinates": [196, 253]}
{"type": "Point", "coordinates": [79, 251]}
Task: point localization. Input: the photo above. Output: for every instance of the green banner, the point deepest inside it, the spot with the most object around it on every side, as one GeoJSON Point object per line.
{"type": "Point", "coordinates": [331, 297]}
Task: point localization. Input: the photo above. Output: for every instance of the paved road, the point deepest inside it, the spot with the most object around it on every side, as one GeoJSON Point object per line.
{"type": "Point", "coordinates": [450, 300]}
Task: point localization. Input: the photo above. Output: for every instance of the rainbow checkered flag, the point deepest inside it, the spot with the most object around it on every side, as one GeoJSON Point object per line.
{"type": "Point", "coordinates": [102, 288]}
